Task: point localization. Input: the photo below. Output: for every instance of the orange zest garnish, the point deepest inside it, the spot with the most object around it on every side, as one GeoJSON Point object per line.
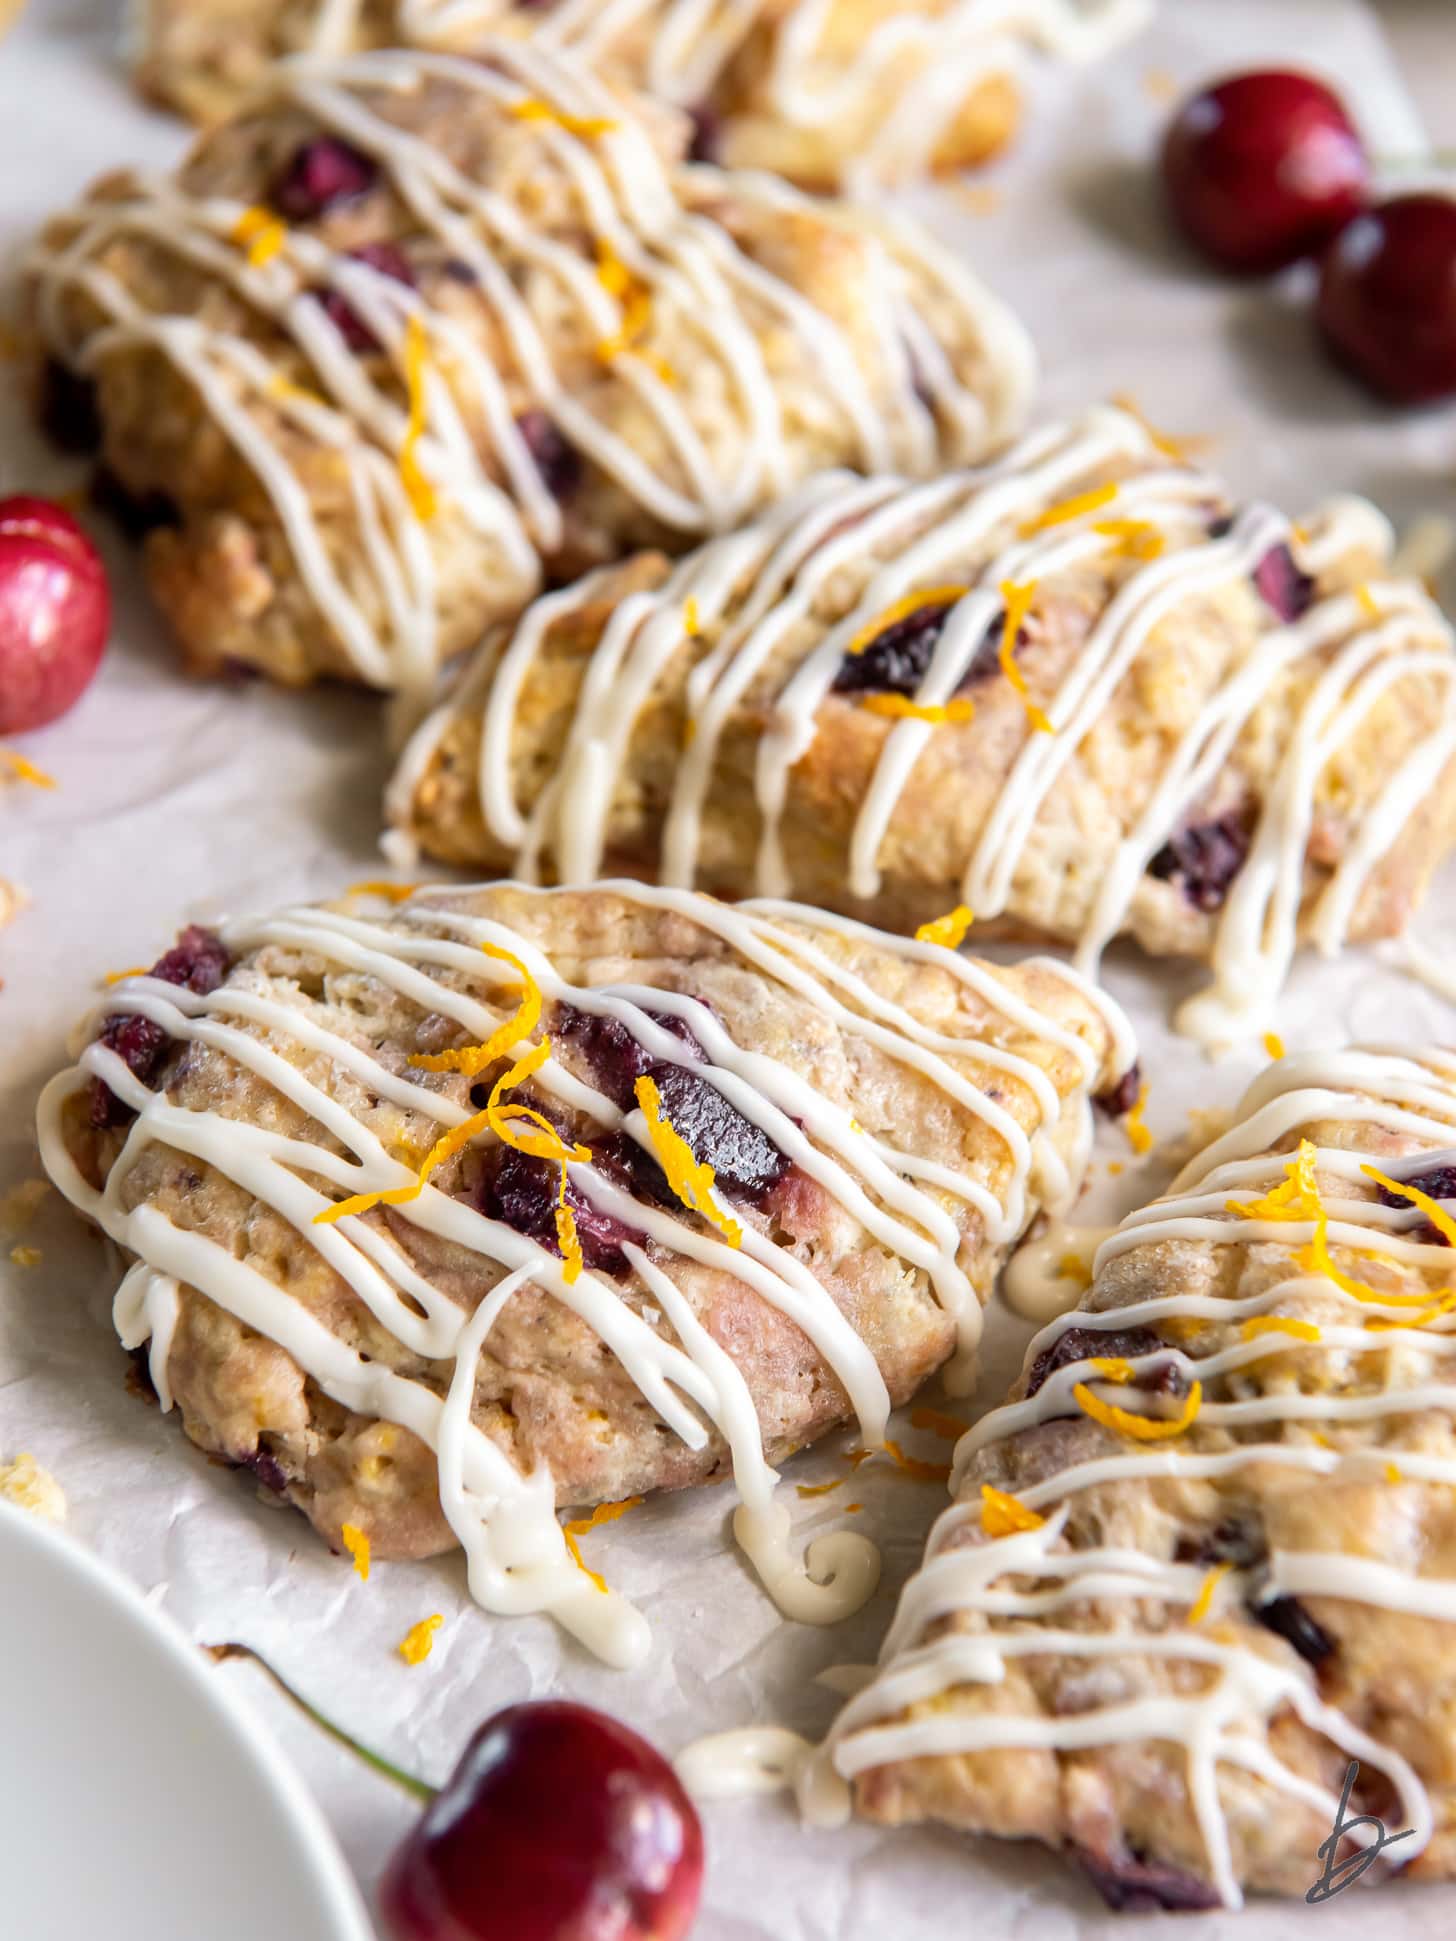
{"type": "Point", "coordinates": [1445, 1304]}
{"type": "Point", "coordinates": [120, 977]}
{"type": "Point", "coordinates": [635, 299]}
{"type": "Point", "coordinates": [949, 930]}
{"type": "Point", "coordinates": [473, 1059]}
{"type": "Point", "coordinates": [532, 109]}
{"type": "Point", "coordinates": [391, 892]}
{"type": "Point", "coordinates": [261, 234]}
{"type": "Point", "coordinates": [603, 1513]}
{"type": "Point", "coordinates": [598, 1581]}
{"type": "Point", "coordinates": [1393, 1473]}
{"type": "Point", "coordinates": [1002, 1514]}
{"type": "Point", "coordinates": [898, 707]}
{"type": "Point", "coordinates": [419, 1641]}
{"type": "Point", "coordinates": [1142, 1428]}
{"type": "Point", "coordinates": [357, 1545]}
{"type": "Point", "coordinates": [949, 1428]}
{"type": "Point", "coordinates": [21, 770]}
{"type": "Point", "coordinates": [689, 1178]}
{"type": "Point", "coordinates": [418, 489]}
{"type": "Point", "coordinates": [853, 1509]}
{"type": "Point", "coordinates": [1297, 1199]}
{"type": "Point", "coordinates": [932, 596]}
{"type": "Point", "coordinates": [1018, 605]}
{"type": "Point", "coordinates": [1065, 510]}
{"type": "Point", "coordinates": [1203, 1603]}
{"type": "Point", "coordinates": [1273, 1044]}
{"type": "Point", "coordinates": [1279, 1324]}
{"type": "Point", "coordinates": [1135, 538]}
{"type": "Point", "coordinates": [692, 620]}
{"type": "Point", "coordinates": [505, 1122]}
{"type": "Point", "coordinates": [1439, 1218]}
{"type": "Point", "coordinates": [25, 1256]}
{"type": "Point", "coordinates": [925, 1472]}
{"type": "Point", "coordinates": [1112, 1368]}
{"type": "Point", "coordinates": [857, 1456]}
{"type": "Point", "coordinates": [1138, 1135]}
{"type": "Point", "coordinates": [819, 1489]}
{"type": "Point", "coordinates": [1369, 605]}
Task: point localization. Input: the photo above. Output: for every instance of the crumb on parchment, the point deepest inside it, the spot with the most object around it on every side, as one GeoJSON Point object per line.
{"type": "Point", "coordinates": [24, 1483]}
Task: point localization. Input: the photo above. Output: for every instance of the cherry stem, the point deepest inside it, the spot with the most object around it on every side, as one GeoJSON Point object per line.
{"type": "Point", "coordinates": [416, 1788]}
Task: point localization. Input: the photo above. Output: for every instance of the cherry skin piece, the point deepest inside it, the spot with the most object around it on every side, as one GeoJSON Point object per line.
{"type": "Point", "coordinates": [1262, 169]}
{"type": "Point", "coordinates": [558, 1824]}
{"type": "Point", "coordinates": [55, 613]}
{"type": "Point", "coordinates": [1387, 299]}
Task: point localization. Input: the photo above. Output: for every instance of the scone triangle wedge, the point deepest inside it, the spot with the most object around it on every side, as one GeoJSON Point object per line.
{"type": "Point", "coordinates": [1203, 1561]}
{"type": "Point", "coordinates": [1079, 691]}
{"type": "Point", "coordinates": [444, 1212]}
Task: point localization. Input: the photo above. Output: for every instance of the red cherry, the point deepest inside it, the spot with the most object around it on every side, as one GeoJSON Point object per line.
{"type": "Point", "coordinates": [1387, 299]}
{"type": "Point", "coordinates": [55, 613]}
{"type": "Point", "coordinates": [558, 1824]}
{"type": "Point", "coordinates": [1262, 169]}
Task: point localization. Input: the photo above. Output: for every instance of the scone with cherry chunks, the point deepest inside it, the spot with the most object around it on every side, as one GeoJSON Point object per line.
{"type": "Point", "coordinates": [559, 1197]}
{"type": "Point", "coordinates": [1078, 692]}
{"type": "Point", "coordinates": [419, 331]}
{"type": "Point", "coordinates": [1205, 1557]}
{"type": "Point", "coordinates": [865, 90]}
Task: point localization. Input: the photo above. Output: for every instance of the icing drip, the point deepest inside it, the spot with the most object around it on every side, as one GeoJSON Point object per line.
{"type": "Point", "coordinates": [415, 410]}
{"type": "Point", "coordinates": [1020, 521]}
{"type": "Point", "coordinates": [1237, 1192]}
{"type": "Point", "coordinates": [505, 1520]}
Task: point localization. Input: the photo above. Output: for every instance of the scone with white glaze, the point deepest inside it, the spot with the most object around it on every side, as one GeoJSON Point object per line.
{"type": "Point", "coordinates": [1078, 692]}
{"type": "Point", "coordinates": [1205, 1557]}
{"type": "Point", "coordinates": [418, 333]}
{"type": "Point", "coordinates": [503, 1198]}
{"type": "Point", "coordinates": [869, 90]}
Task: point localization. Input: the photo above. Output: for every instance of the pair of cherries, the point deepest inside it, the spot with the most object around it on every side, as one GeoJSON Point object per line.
{"type": "Point", "coordinates": [1265, 169]}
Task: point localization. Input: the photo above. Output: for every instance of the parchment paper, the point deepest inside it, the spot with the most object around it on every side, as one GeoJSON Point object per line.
{"type": "Point", "coordinates": [178, 801]}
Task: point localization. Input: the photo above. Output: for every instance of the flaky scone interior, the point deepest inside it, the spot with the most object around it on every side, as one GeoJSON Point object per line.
{"type": "Point", "coordinates": [418, 331]}
{"type": "Point", "coordinates": [447, 1213]}
{"type": "Point", "coordinates": [1078, 691]}
{"type": "Point", "coordinates": [1205, 1557]}
{"type": "Point", "coordinates": [864, 91]}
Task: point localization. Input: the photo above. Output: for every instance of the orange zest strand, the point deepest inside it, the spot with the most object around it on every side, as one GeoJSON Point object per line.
{"type": "Point", "coordinates": [598, 1581]}
{"type": "Point", "coordinates": [1394, 1473]}
{"type": "Point", "coordinates": [692, 619]}
{"type": "Point", "coordinates": [357, 1545]}
{"type": "Point", "coordinates": [1279, 1324]}
{"type": "Point", "coordinates": [857, 1456]}
{"type": "Point", "coordinates": [1018, 605]}
{"type": "Point", "coordinates": [473, 1059]}
{"type": "Point", "coordinates": [586, 126]}
{"type": "Point", "coordinates": [1112, 1368]}
{"type": "Point", "coordinates": [391, 892]}
{"type": "Point", "coordinates": [853, 1509]}
{"type": "Point", "coordinates": [635, 300]}
{"type": "Point", "coordinates": [1369, 605]}
{"type": "Point", "coordinates": [1138, 1135]}
{"type": "Point", "coordinates": [1065, 510]}
{"type": "Point", "coordinates": [1273, 1044]}
{"type": "Point", "coordinates": [443, 1149]}
{"type": "Point", "coordinates": [21, 770]}
{"type": "Point", "coordinates": [925, 1472]}
{"type": "Point", "coordinates": [933, 596]}
{"type": "Point", "coordinates": [1446, 1304]}
{"type": "Point", "coordinates": [689, 1179]}
{"type": "Point", "coordinates": [1316, 1259]}
{"type": "Point", "coordinates": [1002, 1514]}
{"type": "Point", "coordinates": [819, 1489]}
{"type": "Point", "coordinates": [1135, 538]}
{"type": "Point", "coordinates": [603, 1513]}
{"type": "Point", "coordinates": [1439, 1218]}
{"type": "Point", "coordinates": [1203, 1603]}
{"type": "Point", "coordinates": [120, 977]}
{"type": "Point", "coordinates": [418, 489]}
{"type": "Point", "coordinates": [897, 707]}
{"type": "Point", "coordinates": [949, 1428]}
{"type": "Point", "coordinates": [262, 235]}
{"type": "Point", "coordinates": [1297, 1199]}
{"type": "Point", "coordinates": [419, 1641]}
{"type": "Point", "coordinates": [949, 930]}
{"type": "Point", "coordinates": [1142, 1428]}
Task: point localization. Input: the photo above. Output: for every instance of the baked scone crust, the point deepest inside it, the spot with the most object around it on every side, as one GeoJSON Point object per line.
{"type": "Point", "coordinates": [1192, 688]}
{"type": "Point", "coordinates": [1263, 1596]}
{"type": "Point", "coordinates": [418, 332]}
{"type": "Point", "coordinates": [917, 1111]}
{"type": "Point", "coordinates": [867, 91]}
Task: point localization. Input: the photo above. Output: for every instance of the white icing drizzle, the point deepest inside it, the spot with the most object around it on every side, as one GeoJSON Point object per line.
{"type": "Point", "coordinates": [767, 581]}
{"type": "Point", "coordinates": [505, 1520]}
{"type": "Point", "coordinates": [1394, 1094]}
{"type": "Point", "coordinates": [900, 86]}
{"type": "Point", "coordinates": [380, 599]}
{"type": "Point", "coordinates": [1036, 1284]}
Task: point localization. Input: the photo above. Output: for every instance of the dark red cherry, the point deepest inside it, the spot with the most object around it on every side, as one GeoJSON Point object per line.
{"type": "Point", "coordinates": [320, 175]}
{"type": "Point", "coordinates": [198, 961]}
{"type": "Point", "coordinates": [1203, 858]}
{"type": "Point", "coordinates": [895, 661]}
{"type": "Point", "coordinates": [558, 1824]}
{"type": "Point", "coordinates": [386, 260]}
{"type": "Point", "coordinates": [1262, 169]}
{"type": "Point", "coordinates": [1387, 299]}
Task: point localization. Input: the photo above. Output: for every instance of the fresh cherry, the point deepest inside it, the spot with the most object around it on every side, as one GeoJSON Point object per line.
{"type": "Point", "coordinates": [1387, 298]}
{"type": "Point", "coordinates": [558, 1824]}
{"type": "Point", "coordinates": [55, 613]}
{"type": "Point", "coordinates": [1264, 168]}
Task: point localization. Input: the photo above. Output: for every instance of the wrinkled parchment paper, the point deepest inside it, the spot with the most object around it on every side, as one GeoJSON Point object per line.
{"type": "Point", "coordinates": [178, 802]}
